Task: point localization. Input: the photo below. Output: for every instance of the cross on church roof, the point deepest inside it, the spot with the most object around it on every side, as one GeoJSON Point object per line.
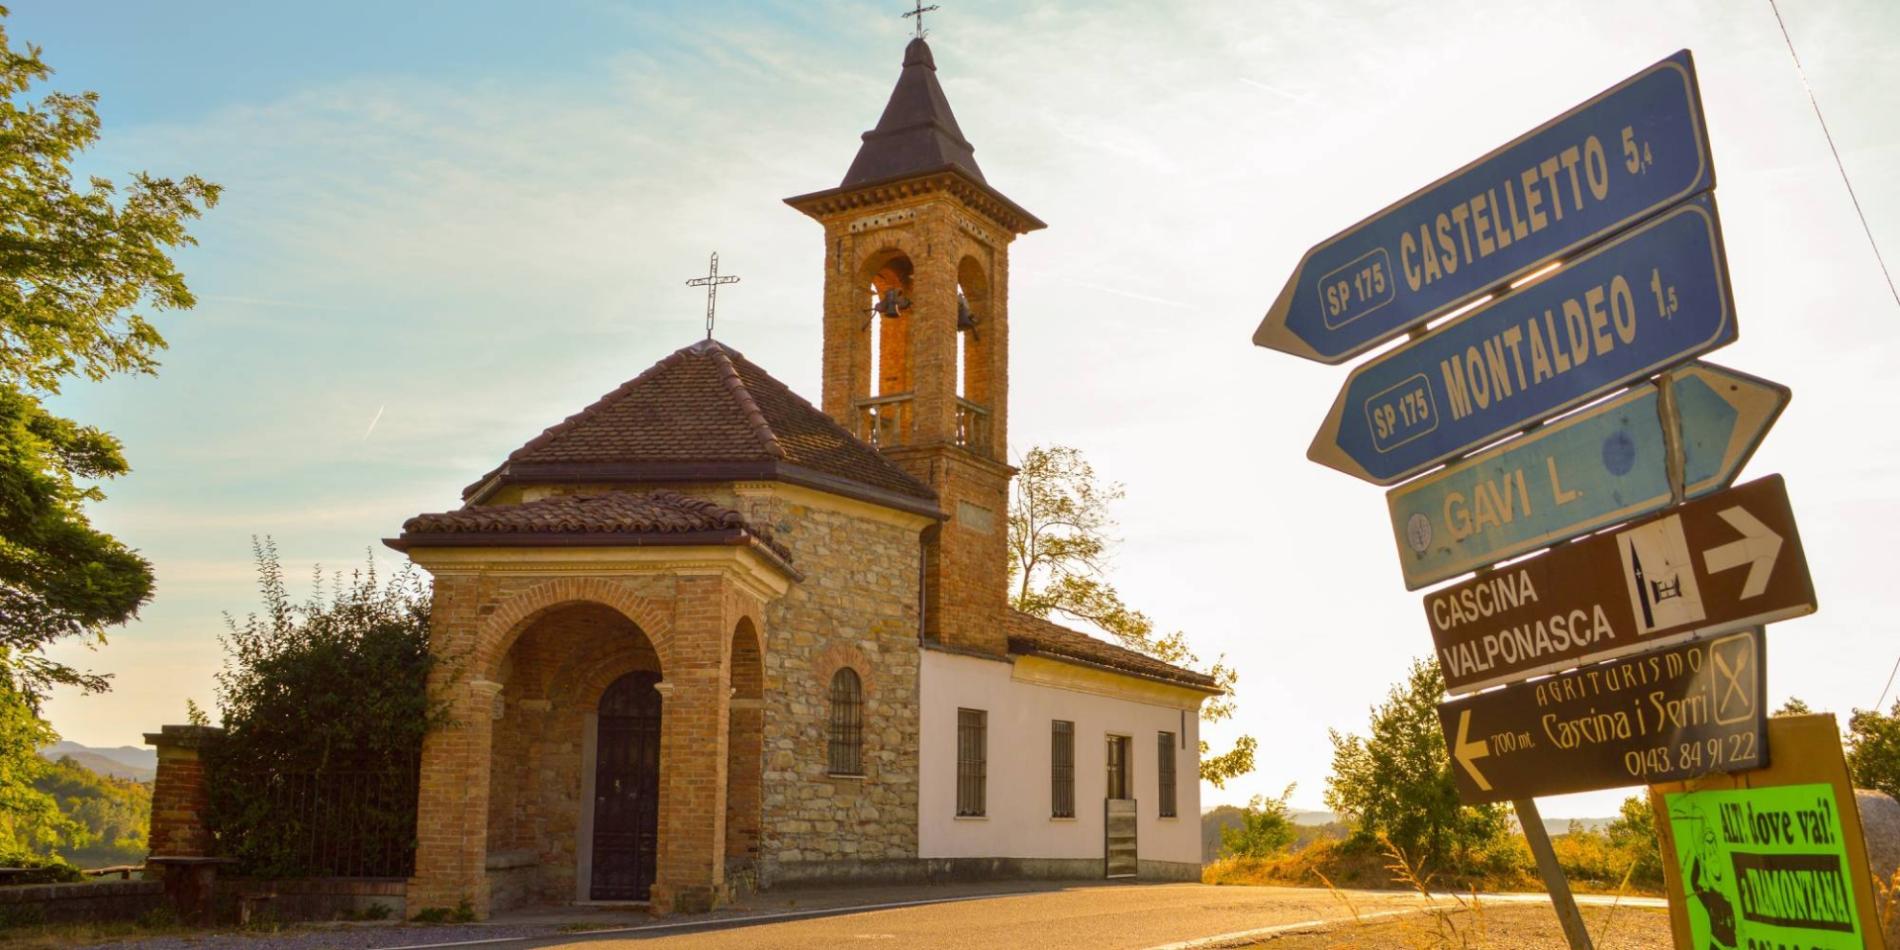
{"type": "Point", "coordinates": [711, 282]}
{"type": "Point", "coordinates": [919, 12]}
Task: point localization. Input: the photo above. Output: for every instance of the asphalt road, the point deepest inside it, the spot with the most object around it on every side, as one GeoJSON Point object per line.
{"type": "Point", "coordinates": [1084, 917]}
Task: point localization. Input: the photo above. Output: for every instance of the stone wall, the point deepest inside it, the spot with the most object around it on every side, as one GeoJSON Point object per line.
{"type": "Point", "coordinates": [857, 606]}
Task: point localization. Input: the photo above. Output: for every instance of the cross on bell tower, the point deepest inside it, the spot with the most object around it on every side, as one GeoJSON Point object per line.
{"type": "Point", "coordinates": [918, 11]}
{"type": "Point", "coordinates": [915, 235]}
{"type": "Point", "coordinates": [711, 282]}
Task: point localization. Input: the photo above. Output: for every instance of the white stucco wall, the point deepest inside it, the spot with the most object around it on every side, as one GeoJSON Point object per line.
{"type": "Point", "coordinates": [1021, 703]}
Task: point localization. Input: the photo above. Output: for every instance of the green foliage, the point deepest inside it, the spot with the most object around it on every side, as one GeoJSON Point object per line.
{"type": "Point", "coordinates": [30, 820]}
{"type": "Point", "coordinates": [42, 868]}
{"type": "Point", "coordinates": [1397, 780]}
{"type": "Point", "coordinates": [1266, 828]}
{"type": "Point", "coordinates": [317, 692]}
{"type": "Point", "coordinates": [1793, 707]}
{"type": "Point", "coordinates": [1873, 749]}
{"type": "Point", "coordinates": [111, 814]}
{"type": "Point", "coordinates": [461, 913]}
{"type": "Point", "coordinates": [75, 263]}
{"type": "Point", "coordinates": [1060, 545]}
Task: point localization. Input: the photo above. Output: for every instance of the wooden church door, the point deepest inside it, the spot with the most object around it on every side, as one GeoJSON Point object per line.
{"type": "Point", "coordinates": [627, 790]}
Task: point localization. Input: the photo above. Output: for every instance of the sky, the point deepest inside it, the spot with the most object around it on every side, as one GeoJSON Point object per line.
{"type": "Point", "coordinates": [447, 226]}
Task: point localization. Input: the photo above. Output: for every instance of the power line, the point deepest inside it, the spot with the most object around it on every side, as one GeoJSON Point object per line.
{"type": "Point", "coordinates": [1803, 73]}
{"type": "Point", "coordinates": [1883, 689]}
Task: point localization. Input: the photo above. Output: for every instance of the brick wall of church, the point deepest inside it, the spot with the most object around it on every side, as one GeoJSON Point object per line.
{"type": "Point", "coordinates": [857, 606]}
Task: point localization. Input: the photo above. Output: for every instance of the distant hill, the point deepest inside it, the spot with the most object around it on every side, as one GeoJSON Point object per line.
{"type": "Point", "coordinates": [122, 762]}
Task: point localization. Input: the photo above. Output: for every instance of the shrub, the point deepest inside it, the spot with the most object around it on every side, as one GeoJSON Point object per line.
{"type": "Point", "coordinates": [325, 705]}
{"type": "Point", "coordinates": [42, 869]}
{"type": "Point", "coordinates": [1265, 828]}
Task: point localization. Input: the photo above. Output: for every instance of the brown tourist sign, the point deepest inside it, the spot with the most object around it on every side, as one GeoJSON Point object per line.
{"type": "Point", "coordinates": [1725, 561]}
{"type": "Point", "coordinates": [1673, 713]}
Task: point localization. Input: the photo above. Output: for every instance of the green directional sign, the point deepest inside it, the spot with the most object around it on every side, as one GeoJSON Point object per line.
{"type": "Point", "coordinates": [1603, 465]}
{"type": "Point", "coordinates": [1766, 867]}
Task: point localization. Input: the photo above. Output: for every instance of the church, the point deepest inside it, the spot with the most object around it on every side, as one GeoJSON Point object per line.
{"type": "Point", "coordinates": [703, 636]}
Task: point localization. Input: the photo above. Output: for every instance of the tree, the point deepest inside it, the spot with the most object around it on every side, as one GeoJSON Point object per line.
{"type": "Point", "coordinates": [1061, 544]}
{"type": "Point", "coordinates": [1873, 749]}
{"type": "Point", "coordinates": [332, 693]}
{"type": "Point", "coordinates": [30, 820]}
{"type": "Point", "coordinates": [76, 264]}
{"type": "Point", "coordinates": [1793, 707]}
{"type": "Point", "coordinates": [1266, 828]}
{"type": "Point", "coordinates": [1397, 780]}
{"type": "Point", "coordinates": [1633, 832]}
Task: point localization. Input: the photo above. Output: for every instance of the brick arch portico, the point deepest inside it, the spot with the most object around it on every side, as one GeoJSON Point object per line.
{"type": "Point", "coordinates": [532, 630]}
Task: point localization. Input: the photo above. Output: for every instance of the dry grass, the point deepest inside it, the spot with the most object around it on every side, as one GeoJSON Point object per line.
{"type": "Point", "coordinates": [1505, 927]}
{"type": "Point", "coordinates": [1590, 870]}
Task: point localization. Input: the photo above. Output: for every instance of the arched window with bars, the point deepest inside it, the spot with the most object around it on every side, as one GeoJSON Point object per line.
{"type": "Point", "coordinates": [847, 723]}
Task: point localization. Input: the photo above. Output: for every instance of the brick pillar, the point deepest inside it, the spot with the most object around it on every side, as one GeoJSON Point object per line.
{"type": "Point", "coordinates": [181, 796]}
{"type": "Point", "coordinates": [452, 803]}
{"type": "Point", "coordinates": [695, 698]}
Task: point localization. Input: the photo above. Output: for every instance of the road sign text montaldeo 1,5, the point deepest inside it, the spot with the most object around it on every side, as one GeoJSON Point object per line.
{"type": "Point", "coordinates": [1726, 560]}
{"type": "Point", "coordinates": [1630, 152]}
{"type": "Point", "coordinates": [1606, 464]}
{"type": "Point", "coordinates": [1672, 713]}
{"type": "Point", "coordinates": [1648, 299]}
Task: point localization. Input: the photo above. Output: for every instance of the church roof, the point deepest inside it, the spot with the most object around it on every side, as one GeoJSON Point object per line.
{"type": "Point", "coordinates": [917, 138]}
{"type": "Point", "coordinates": [1035, 636]}
{"type": "Point", "coordinates": [706, 413]}
{"type": "Point", "coordinates": [917, 132]}
{"type": "Point", "coordinates": [650, 518]}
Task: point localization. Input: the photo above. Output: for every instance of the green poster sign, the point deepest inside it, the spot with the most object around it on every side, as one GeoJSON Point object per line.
{"type": "Point", "coordinates": [1765, 868]}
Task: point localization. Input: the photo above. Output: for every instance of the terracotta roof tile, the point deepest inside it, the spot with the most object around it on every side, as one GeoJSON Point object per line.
{"type": "Point", "coordinates": [708, 405]}
{"type": "Point", "coordinates": [1038, 637]}
{"type": "Point", "coordinates": [659, 517]}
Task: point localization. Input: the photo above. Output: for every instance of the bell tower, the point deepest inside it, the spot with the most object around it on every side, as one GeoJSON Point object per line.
{"type": "Point", "coordinates": [916, 337]}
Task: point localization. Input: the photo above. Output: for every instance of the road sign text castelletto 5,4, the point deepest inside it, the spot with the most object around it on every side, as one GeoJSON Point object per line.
{"type": "Point", "coordinates": [1672, 713]}
{"type": "Point", "coordinates": [1726, 560]}
{"type": "Point", "coordinates": [1603, 465]}
{"type": "Point", "coordinates": [1648, 299]}
{"type": "Point", "coordinates": [1630, 152]}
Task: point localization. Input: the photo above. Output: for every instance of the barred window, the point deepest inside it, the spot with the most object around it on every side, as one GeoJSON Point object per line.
{"type": "Point", "coordinates": [1061, 769]}
{"type": "Point", "coordinates": [1164, 756]}
{"type": "Point", "coordinates": [972, 761]}
{"type": "Point", "coordinates": [1118, 767]}
{"type": "Point", "coordinates": [847, 723]}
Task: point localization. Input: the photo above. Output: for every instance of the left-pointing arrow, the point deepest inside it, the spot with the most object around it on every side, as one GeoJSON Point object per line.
{"type": "Point", "coordinates": [1468, 752]}
{"type": "Point", "coordinates": [1757, 548]}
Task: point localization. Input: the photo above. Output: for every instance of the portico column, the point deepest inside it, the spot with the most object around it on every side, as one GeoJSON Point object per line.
{"type": "Point", "coordinates": [690, 873]}
{"type": "Point", "coordinates": [452, 802]}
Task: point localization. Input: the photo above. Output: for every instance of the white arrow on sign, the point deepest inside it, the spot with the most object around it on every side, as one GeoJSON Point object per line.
{"type": "Point", "coordinates": [1757, 548]}
{"type": "Point", "coordinates": [1466, 752]}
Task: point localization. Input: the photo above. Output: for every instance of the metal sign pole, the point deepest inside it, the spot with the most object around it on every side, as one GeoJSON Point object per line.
{"type": "Point", "coordinates": [1554, 880]}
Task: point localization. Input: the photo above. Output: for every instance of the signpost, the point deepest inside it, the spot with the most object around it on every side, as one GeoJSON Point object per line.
{"type": "Point", "coordinates": [1772, 857]}
{"type": "Point", "coordinates": [1583, 258]}
{"type": "Point", "coordinates": [1638, 304]}
{"type": "Point", "coordinates": [1631, 151]}
{"type": "Point", "coordinates": [1672, 713]}
{"type": "Point", "coordinates": [1604, 465]}
{"type": "Point", "coordinates": [1726, 561]}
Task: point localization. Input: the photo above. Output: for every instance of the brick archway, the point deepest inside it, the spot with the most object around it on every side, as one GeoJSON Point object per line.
{"type": "Point", "coordinates": [500, 629]}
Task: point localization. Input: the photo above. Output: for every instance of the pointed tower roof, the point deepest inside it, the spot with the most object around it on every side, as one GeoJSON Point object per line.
{"type": "Point", "coordinates": [917, 132]}
{"type": "Point", "coordinates": [705, 414]}
{"type": "Point", "coordinates": [916, 144]}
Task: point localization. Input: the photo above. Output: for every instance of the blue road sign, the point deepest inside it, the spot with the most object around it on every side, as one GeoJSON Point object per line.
{"type": "Point", "coordinates": [1605, 464]}
{"type": "Point", "coordinates": [1648, 299]}
{"type": "Point", "coordinates": [1635, 149]}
